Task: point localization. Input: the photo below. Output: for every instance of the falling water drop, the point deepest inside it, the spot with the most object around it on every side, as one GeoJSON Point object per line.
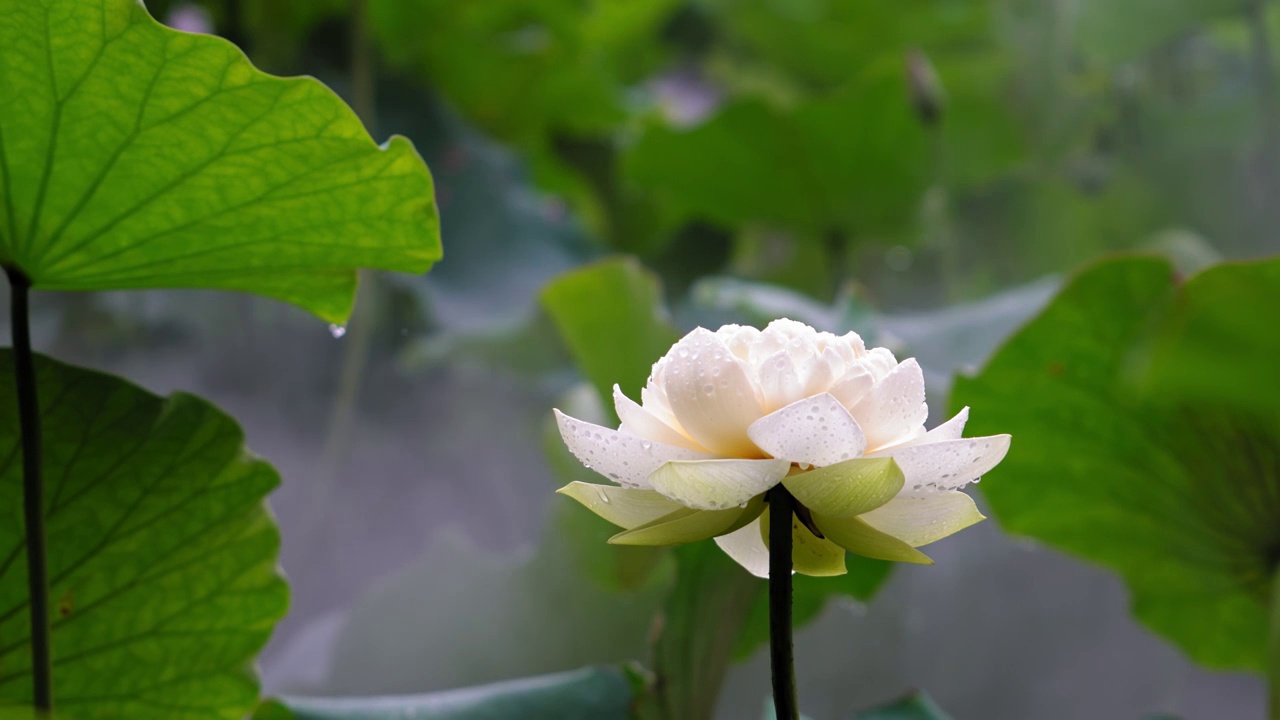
{"type": "Point", "coordinates": [337, 331]}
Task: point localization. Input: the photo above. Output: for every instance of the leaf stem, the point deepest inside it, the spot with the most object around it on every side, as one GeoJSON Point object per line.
{"type": "Point", "coordinates": [781, 647]}
{"type": "Point", "coordinates": [1273, 660]}
{"type": "Point", "coordinates": [24, 374]}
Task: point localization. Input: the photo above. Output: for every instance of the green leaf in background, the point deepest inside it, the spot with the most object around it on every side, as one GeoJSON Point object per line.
{"type": "Point", "coordinates": [273, 710]}
{"type": "Point", "coordinates": [521, 69]}
{"type": "Point", "coordinates": [856, 161]}
{"type": "Point", "coordinates": [916, 706]}
{"type": "Point", "coordinates": [1115, 33]}
{"type": "Point", "coordinates": [162, 556]}
{"type": "Point", "coordinates": [863, 580]}
{"type": "Point", "coordinates": [610, 315]}
{"type": "Point", "coordinates": [598, 693]}
{"type": "Point", "coordinates": [823, 43]}
{"type": "Point", "coordinates": [1179, 495]}
{"type": "Point", "coordinates": [697, 631]}
{"type": "Point", "coordinates": [135, 156]}
{"type": "Point", "coordinates": [1213, 329]}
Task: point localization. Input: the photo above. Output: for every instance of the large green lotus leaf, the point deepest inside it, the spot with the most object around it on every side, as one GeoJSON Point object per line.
{"type": "Point", "coordinates": [162, 556]}
{"type": "Point", "coordinates": [1215, 347]}
{"type": "Point", "coordinates": [135, 156]}
{"type": "Point", "coordinates": [611, 317]}
{"type": "Point", "coordinates": [1179, 495]}
{"type": "Point", "coordinates": [597, 693]}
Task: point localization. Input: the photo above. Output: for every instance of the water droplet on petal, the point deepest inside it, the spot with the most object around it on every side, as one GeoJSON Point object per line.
{"type": "Point", "coordinates": [337, 331]}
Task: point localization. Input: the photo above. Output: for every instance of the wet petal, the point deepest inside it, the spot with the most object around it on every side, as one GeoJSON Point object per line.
{"type": "Point", "coordinates": [621, 457]}
{"type": "Point", "coordinates": [779, 380]}
{"type": "Point", "coordinates": [688, 525]}
{"type": "Point", "coordinates": [710, 393]}
{"type": "Point", "coordinates": [717, 484]}
{"type": "Point", "coordinates": [847, 489]}
{"type": "Point", "coordinates": [747, 548]}
{"type": "Point", "coordinates": [810, 554]}
{"type": "Point", "coordinates": [852, 387]}
{"type": "Point", "coordinates": [952, 429]}
{"type": "Point", "coordinates": [819, 371]}
{"type": "Point", "coordinates": [624, 507]}
{"type": "Point", "coordinates": [947, 465]}
{"type": "Point", "coordinates": [638, 421]}
{"type": "Point", "coordinates": [894, 409]}
{"type": "Point", "coordinates": [858, 537]}
{"type": "Point", "coordinates": [919, 521]}
{"type": "Point", "coordinates": [813, 431]}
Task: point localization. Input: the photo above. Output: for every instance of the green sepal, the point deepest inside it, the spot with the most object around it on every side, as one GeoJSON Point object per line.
{"type": "Point", "coordinates": [688, 525]}
{"type": "Point", "coordinates": [625, 507]}
{"type": "Point", "coordinates": [856, 536]}
{"type": "Point", "coordinates": [810, 554]}
{"type": "Point", "coordinates": [847, 489]}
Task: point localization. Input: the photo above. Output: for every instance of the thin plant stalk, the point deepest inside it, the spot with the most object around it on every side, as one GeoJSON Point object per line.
{"type": "Point", "coordinates": [24, 375]}
{"type": "Point", "coordinates": [781, 647]}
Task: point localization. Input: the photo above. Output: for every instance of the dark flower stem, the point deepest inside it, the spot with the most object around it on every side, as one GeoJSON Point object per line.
{"type": "Point", "coordinates": [24, 375]}
{"type": "Point", "coordinates": [781, 649]}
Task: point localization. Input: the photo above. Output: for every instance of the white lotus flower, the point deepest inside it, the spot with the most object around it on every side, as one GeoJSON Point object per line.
{"type": "Point", "coordinates": [727, 415]}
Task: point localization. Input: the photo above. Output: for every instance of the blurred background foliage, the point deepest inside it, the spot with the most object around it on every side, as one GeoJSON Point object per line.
{"type": "Point", "coordinates": [611, 173]}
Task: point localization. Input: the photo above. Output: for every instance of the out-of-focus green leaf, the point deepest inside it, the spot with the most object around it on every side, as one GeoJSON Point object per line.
{"type": "Point", "coordinates": [1072, 222]}
{"type": "Point", "coordinates": [863, 579]}
{"type": "Point", "coordinates": [916, 706]}
{"type": "Point", "coordinates": [136, 156]}
{"type": "Point", "coordinates": [1179, 494]}
{"type": "Point", "coordinates": [1119, 32]}
{"type": "Point", "coordinates": [273, 710]}
{"type": "Point", "coordinates": [855, 162]}
{"type": "Point", "coordinates": [162, 556]}
{"type": "Point", "coordinates": [1216, 347]}
{"type": "Point", "coordinates": [823, 44]}
{"type": "Point", "coordinates": [610, 315]}
{"type": "Point", "coordinates": [697, 630]}
{"type": "Point", "coordinates": [523, 69]}
{"type": "Point", "coordinates": [597, 693]}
